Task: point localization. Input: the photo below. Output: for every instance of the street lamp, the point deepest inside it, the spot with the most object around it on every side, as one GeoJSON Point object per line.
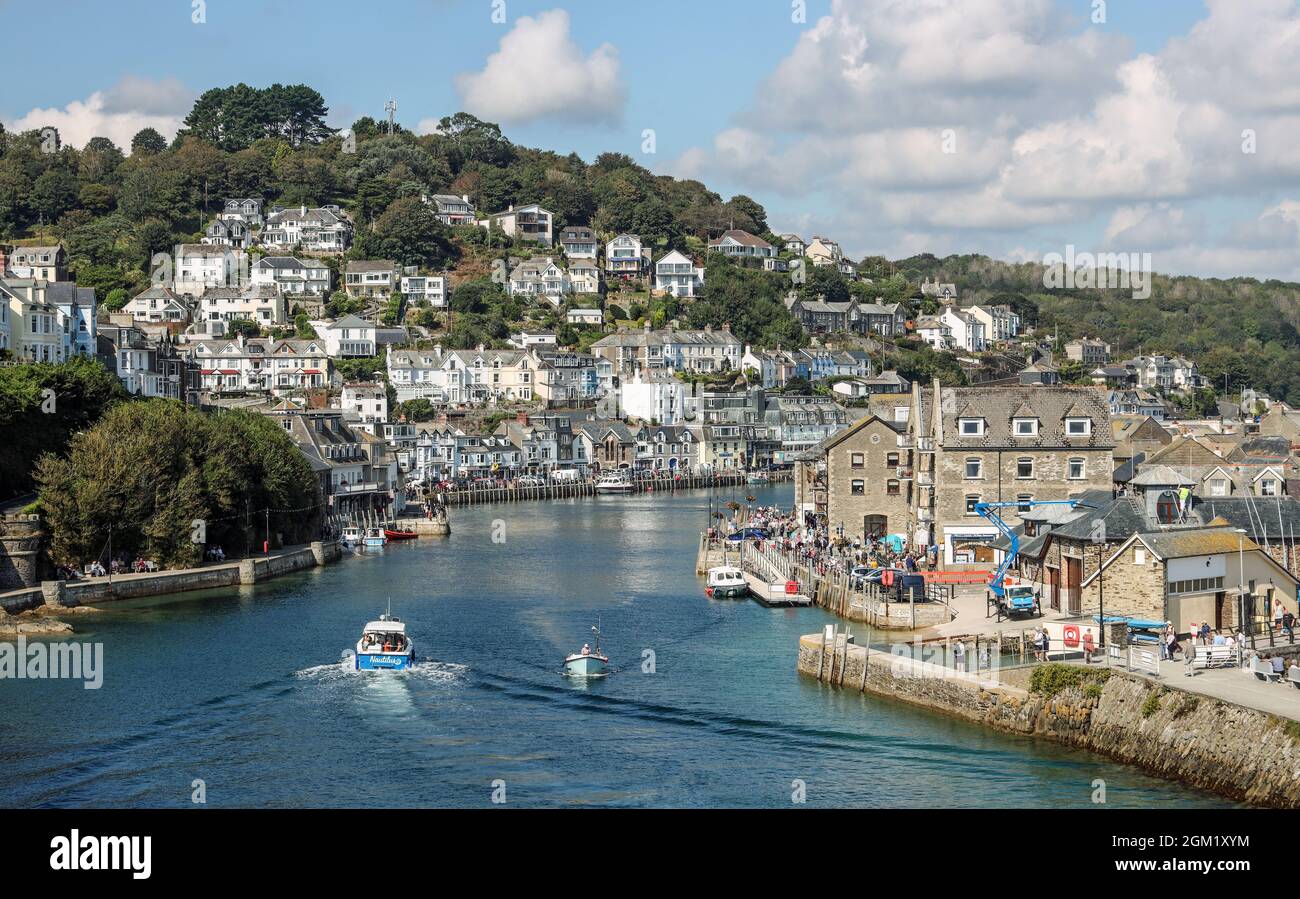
{"type": "Point", "coordinates": [1241, 580]}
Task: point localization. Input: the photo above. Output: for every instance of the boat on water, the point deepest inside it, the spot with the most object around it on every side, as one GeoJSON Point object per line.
{"type": "Point", "coordinates": [726, 582]}
{"type": "Point", "coordinates": [396, 533]}
{"type": "Point", "coordinates": [385, 646]}
{"type": "Point", "coordinates": [614, 482]}
{"type": "Point", "coordinates": [352, 537]}
{"type": "Point", "coordinates": [588, 661]}
{"type": "Point", "coordinates": [374, 537]}
{"type": "Point", "coordinates": [758, 477]}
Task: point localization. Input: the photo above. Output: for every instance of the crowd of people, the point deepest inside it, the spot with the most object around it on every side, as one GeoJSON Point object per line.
{"type": "Point", "coordinates": [803, 540]}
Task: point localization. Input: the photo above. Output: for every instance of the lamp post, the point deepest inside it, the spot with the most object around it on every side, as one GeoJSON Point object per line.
{"type": "Point", "coordinates": [1241, 582]}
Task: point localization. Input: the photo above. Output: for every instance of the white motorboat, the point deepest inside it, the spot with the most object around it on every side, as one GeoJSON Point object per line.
{"type": "Point", "coordinates": [614, 482]}
{"type": "Point", "coordinates": [726, 582]}
{"type": "Point", "coordinates": [384, 645]}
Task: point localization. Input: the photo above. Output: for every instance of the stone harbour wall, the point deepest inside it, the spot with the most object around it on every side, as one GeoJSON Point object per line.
{"type": "Point", "coordinates": [1240, 753]}
{"type": "Point", "coordinates": [227, 574]}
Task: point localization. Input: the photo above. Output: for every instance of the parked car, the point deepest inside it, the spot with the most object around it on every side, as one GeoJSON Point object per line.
{"type": "Point", "coordinates": [564, 475]}
{"type": "Point", "coordinates": [530, 480]}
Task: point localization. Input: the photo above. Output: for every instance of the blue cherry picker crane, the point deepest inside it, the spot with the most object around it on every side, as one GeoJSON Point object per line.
{"type": "Point", "coordinates": [1017, 599]}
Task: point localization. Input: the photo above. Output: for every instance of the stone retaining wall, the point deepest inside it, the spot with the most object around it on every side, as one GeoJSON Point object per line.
{"type": "Point", "coordinates": [227, 574]}
{"type": "Point", "coordinates": [1235, 751]}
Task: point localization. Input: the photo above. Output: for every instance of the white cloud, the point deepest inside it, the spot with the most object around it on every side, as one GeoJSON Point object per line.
{"type": "Point", "coordinates": [1062, 133]}
{"type": "Point", "coordinates": [539, 72]}
{"type": "Point", "coordinates": [117, 113]}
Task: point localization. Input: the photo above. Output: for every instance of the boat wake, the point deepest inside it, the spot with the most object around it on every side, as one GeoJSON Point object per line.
{"type": "Point", "coordinates": [345, 667]}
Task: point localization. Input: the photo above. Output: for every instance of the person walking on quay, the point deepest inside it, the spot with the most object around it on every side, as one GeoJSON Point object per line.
{"type": "Point", "coordinates": [959, 656]}
{"type": "Point", "coordinates": [1205, 633]}
{"type": "Point", "coordinates": [1288, 625]}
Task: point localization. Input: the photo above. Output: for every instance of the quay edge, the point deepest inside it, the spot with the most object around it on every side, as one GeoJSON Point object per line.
{"type": "Point", "coordinates": [1237, 752]}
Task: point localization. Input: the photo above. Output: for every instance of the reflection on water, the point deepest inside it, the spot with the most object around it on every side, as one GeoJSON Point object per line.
{"type": "Point", "coordinates": [249, 691]}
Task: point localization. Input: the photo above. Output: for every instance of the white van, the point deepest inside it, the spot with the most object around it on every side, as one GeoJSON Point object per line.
{"type": "Point", "coordinates": [564, 475]}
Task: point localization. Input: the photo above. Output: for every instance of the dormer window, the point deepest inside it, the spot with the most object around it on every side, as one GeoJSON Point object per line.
{"type": "Point", "coordinates": [1025, 427]}
{"type": "Point", "coordinates": [971, 427]}
{"type": "Point", "coordinates": [1078, 427]}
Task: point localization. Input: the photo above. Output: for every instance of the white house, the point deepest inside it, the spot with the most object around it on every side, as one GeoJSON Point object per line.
{"type": "Point", "coordinates": [625, 257]}
{"type": "Point", "coordinates": [935, 332]}
{"type": "Point", "coordinates": [370, 278]}
{"type": "Point", "coordinates": [322, 230]}
{"type": "Point", "coordinates": [451, 209]}
{"type": "Point", "coordinates": [677, 274]}
{"type": "Point", "coordinates": [430, 288]}
{"type": "Point", "coordinates": [530, 222]}
{"type": "Point", "coordinates": [349, 336]}
{"type": "Point", "coordinates": [579, 242]}
{"type": "Point", "coordinates": [159, 304]}
{"type": "Point", "coordinates": [654, 395]}
{"type": "Point", "coordinates": [200, 266]}
{"type": "Point", "coordinates": [584, 276]}
{"type": "Point", "coordinates": [368, 401]}
{"type": "Point", "coordinates": [291, 275]}
{"type": "Point", "coordinates": [417, 374]}
{"type": "Point", "coordinates": [261, 364]}
{"type": "Point", "coordinates": [540, 277]}
{"type": "Point", "coordinates": [741, 243]}
{"type": "Point", "coordinates": [585, 317]}
{"type": "Point", "coordinates": [1000, 323]}
{"type": "Point", "coordinates": [967, 330]}
{"type": "Point", "coordinates": [261, 303]}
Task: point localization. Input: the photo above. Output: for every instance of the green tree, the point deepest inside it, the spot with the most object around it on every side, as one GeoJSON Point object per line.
{"type": "Point", "coordinates": [147, 142]}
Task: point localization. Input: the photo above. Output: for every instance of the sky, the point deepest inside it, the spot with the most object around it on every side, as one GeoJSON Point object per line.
{"type": "Point", "coordinates": [1016, 128]}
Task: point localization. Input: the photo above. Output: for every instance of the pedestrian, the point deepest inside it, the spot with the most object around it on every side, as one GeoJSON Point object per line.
{"type": "Point", "coordinates": [1205, 633]}
{"type": "Point", "coordinates": [1288, 625]}
{"type": "Point", "coordinates": [959, 656]}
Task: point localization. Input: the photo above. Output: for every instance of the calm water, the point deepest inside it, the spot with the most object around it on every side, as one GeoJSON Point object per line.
{"type": "Point", "coordinates": [245, 689]}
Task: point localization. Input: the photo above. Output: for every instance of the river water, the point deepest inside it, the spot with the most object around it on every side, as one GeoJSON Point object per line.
{"type": "Point", "coordinates": [246, 690]}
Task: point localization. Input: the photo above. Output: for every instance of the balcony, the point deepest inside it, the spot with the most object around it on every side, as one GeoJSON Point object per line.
{"type": "Point", "coordinates": [903, 472]}
{"type": "Point", "coordinates": [925, 444]}
{"type": "Point", "coordinates": [904, 441]}
{"type": "Point", "coordinates": [925, 479]}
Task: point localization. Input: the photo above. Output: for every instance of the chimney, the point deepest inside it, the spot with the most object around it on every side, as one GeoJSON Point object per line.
{"type": "Point", "coordinates": [647, 327]}
{"type": "Point", "coordinates": [481, 347]}
{"type": "Point", "coordinates": [464, 198]}
{"type": "Point", "coordinates": [440, 419]}
{"type": "Point", "coordinates": [4, 261]}
{"type": "Point", "coordinates": [304, 208]}
{"type": "Point", "coordinates": [522, 418]}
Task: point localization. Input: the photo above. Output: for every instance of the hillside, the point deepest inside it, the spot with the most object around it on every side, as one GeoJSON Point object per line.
{"type": "Point", "coordinates": [113, 208]}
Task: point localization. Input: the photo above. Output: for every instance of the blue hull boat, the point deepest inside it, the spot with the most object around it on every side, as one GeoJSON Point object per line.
{"type": "Point", "coordinates": [384, 646]}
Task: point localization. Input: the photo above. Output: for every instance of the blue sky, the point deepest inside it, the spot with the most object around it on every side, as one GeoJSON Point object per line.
{"type": "Point", "coordinates": [1069, 131]}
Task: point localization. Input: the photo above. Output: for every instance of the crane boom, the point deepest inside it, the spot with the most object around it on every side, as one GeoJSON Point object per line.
{"type": "Point", "coordinates": [986, 510]}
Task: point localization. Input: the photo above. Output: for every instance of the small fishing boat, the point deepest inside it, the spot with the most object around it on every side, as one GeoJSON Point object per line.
{"type": "Point", "coordinates": [758, 477]}
{"type": "Point", "coordinates": [614, 482]}
{"type": "Point", "coordinates": [587, 662]}
{"type": "Point", "coordinates": [726, 582]}
{"type": "Point", "coordinates": [374, 537]}
{"type": "Point", "coordinates": [385, 646]}
{"type": "Point", "coordinates": [395, 533]}
{"type": "Point", "coordinates": [351, 537]}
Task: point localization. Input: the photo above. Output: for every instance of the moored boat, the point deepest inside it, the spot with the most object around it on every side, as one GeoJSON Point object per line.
{"type": "Point", "coordinates": [587, 662]}
{"type": "Point", "coordinates": [614, 482]}
{"type": "Point", "coordinates": [758, 477]}
{"type": "Point", "coordinates": [384, 645]}
{"type": "Point", "coordinates": [351, 536]}
{"type": "Point", "coordinates": [726, 582]}
{"type": "Point", "coordinates": [399, 534]}
{"type": "Point", "coordinates": [374, 537]}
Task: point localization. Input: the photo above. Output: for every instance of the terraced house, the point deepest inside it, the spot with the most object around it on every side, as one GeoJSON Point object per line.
{"type": "Point", "coordinates": [261, 364]}
{"type": "Point", "coordinates": [706, 350]}
{"type": "Point", "coordinates": [326, 229]}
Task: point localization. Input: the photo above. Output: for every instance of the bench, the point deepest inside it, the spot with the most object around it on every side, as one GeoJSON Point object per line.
{"type": "Point", "coordinates": [1293, 675]}
{"type": "Point", "coordinates": [1215, 657]}
{"type": "Point", "coordinates": [1263, 669]}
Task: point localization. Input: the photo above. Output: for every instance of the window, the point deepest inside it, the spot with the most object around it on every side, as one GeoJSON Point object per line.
{"type": "Point", "coordinates": [1196, 585]}
{"type": "Point", "coordinates": [971, 427]}
{"type": "Point", "coordinates": [1078, 427]}
{"type": "Point", "coordinates": [1075, 470]}
{"type": "Point", "coordinates": [971, 500]}
{"type": "Point", "coordinates": [1139, 556]}
{"type": "Point", "coordinates": [974, 468]}
{"type": "Point", "coordinates": [892, 488]}
{"type": "Point", "coordinates": [891, 460]}
{"type": "Point", "coordinates": [858, 488]}
{"type": "Point", "coordinates": [1024, 467]}
{"type": "Point", "coordinates": [857, 460]}
{"type": "Point", "coordinates": [1026, 502]}
{"type": "Point", "coordinates": [1268, 488]}
{"type": "Point", "coordinates": [1219, 487]}
{"type": "Point", "coordinates": [1026, 427]}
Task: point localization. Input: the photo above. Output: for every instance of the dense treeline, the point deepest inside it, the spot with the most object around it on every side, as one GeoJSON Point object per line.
{"type": "Point", "coordinates": [41, 407]}
{"type": "Point", "coordinates": [151, 469]}
{"type": "Point", "coordinates": [1240, 331]}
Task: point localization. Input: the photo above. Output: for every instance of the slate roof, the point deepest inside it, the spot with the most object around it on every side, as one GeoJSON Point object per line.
{"type": "Point", "coordinates": [1050, 405]}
